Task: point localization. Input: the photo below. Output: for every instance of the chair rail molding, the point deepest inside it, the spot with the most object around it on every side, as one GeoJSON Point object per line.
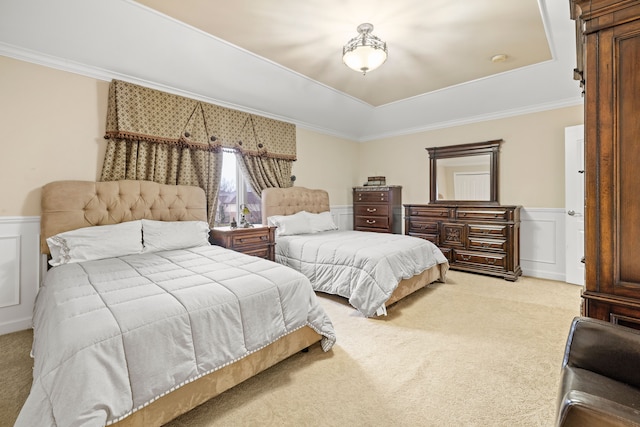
{"type": "Point", "coordinates": [19, 271]}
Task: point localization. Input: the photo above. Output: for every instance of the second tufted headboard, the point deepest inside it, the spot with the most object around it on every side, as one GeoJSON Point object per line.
{"type": "Point", "coordinates": [287, 201]}
{"type": "Point", "coordinates": [69, 205]}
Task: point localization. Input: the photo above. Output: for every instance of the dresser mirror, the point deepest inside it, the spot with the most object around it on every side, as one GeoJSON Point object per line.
{"type": "Point", "coordinates": [464, 173]}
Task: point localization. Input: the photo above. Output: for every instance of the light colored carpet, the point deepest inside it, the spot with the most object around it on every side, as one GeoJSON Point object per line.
{"type": "Point", "coordinates": [475, 351]}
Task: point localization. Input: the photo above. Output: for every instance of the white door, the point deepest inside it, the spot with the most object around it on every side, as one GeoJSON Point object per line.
{"type": "Point", "coordinates": [574, 203]}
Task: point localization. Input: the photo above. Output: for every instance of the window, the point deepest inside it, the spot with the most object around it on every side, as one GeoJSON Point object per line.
{"type": "Point", "coordinates": [235, 191]}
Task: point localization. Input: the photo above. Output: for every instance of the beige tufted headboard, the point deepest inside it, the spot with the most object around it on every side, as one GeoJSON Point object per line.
{"type": "Point", "coordinates": [68, 205]}
{"type": "Point", "coordinates": [287, 201]}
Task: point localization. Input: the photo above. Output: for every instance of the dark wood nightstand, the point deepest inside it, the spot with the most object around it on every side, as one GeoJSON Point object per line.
{"type": "Point", "coordinates": [258, 240]}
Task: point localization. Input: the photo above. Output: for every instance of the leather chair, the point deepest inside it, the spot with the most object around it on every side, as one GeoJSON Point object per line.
{"type": "Point", "coordinates": [600, 383]}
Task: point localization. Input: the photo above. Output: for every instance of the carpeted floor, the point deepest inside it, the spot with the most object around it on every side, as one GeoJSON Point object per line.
{"type": "Point", "coordinates": [475, 351]}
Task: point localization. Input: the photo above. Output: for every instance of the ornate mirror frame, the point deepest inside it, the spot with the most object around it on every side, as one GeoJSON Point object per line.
{"type": "Point", "coordinates": [492, 148]}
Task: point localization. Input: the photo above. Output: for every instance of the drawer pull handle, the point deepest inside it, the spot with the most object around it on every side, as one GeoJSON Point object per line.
{"type": "Point", "coordinates": [490, 261]}
{"type": "Point", "coordinates": [371, 209]}
{"type": "Point", "coordinates": [371, 221]}
{"type": "Point", "coordinates": [465, 258]}
{"type": "Point", "coordinates": [263, 237]}
{"type": "Point", "coordinates": [240, 240]}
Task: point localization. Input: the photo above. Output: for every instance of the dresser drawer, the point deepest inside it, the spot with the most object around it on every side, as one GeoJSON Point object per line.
{"type": "Point", "coordinates": [488, 230]}
{"type": "Point", "coordinates": [487, 244]}
{"type": "Point", "coordinates": [496, 261]}
{"type": "Point", "coordinates": [418, 226]}
{"type": "Point", "coordinates": [371, 196]}
{"type": "Point", "coordinates": [371, 210]}
{"type": "Point", "coordinates": [483, 214]}
{"type": "Point", "coordinates": [372, 222]}
{"type": "Point", "coordinates": [433, 238]}
{"type": "Point", "coordinates": [427, 212]}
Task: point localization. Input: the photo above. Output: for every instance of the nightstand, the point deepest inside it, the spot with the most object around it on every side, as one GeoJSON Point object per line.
{"type": "Point", "coordinates": [258, 240]}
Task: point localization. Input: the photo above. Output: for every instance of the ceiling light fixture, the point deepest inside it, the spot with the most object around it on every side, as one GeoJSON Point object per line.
{"type": "Point", "coordinates": [364, 52]}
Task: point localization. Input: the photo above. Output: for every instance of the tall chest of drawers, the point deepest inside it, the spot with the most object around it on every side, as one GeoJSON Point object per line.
{"type": "Point", "coordinates": [378, 209]}
{"type": "Point", "coordinates": [476, 238]}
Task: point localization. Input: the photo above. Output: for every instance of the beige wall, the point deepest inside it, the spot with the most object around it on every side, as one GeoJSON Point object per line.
{"type": "Point", "coordinates": [531, 157]}
{"type": "Point", "coordinates": [52, 124]}
{"type": "Point", "coordinates": [327, 162]}
{"type": "Point", "coordinates": [53, 127]}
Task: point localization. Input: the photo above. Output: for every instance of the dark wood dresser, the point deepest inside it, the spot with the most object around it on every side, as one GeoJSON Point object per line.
{"type": "Point", "coordinates": [258, 240]}
{"type": "Point", "coordinates": [378, 209]}
{"type": "Point", "coordinates": [476, 238]}
{"type": "Point", "coordinates": [608, 51]}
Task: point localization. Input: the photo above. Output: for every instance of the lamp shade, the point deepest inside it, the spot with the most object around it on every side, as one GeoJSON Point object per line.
{"type": "Point", "coordinates": [365, 52]}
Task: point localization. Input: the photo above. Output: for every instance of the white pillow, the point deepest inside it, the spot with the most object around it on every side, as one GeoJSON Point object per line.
{"type": "Point", "coordinates": [321, 221]}
{"type": "Point", "coordinates": [289, 225]}
{"type": "Point", "coordinates": [170, 235]}
{"type": "Point", "coordinates": [90, 243]}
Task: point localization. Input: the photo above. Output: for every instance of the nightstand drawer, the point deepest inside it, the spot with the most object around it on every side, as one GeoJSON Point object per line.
{"type": "Point", "coordinates": [255, 239]}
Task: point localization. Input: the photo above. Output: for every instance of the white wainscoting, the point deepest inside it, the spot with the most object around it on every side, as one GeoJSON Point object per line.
{"type": "Point", "coordinates": [342, 216]}
{"type": "Point", "coordinates": [19, 271]}
{"type": "Point", "coordinates": [542, 255]}
{"type": "Point", "coordinates": [542, 243]}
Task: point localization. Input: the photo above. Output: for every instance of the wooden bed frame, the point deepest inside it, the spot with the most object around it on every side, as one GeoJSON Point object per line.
{"type": "Point", "coordinates": [288, 201]}
{"type": "Point", "coordinates": [68, 205]}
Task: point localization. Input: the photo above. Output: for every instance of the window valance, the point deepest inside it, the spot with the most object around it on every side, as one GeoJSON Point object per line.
{"type": "Point", "coordinates": [139, 113]}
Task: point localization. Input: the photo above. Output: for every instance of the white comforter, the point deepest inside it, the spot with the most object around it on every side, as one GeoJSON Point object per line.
{"type": "Point", "coordinates": [364, 267]}
{"type": "Point", "coordinates": [111, 336]}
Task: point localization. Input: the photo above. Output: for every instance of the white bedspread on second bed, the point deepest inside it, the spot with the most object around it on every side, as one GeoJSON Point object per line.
{"type": "Point", "coordinates": [364, 267]}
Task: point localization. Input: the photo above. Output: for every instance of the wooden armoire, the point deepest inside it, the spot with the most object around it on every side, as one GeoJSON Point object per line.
{"type": "Point", "coordinates": [608, 50]}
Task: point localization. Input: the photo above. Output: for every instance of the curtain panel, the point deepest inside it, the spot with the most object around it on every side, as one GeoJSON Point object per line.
{"type": "Point", "coordinates": [140, 113]}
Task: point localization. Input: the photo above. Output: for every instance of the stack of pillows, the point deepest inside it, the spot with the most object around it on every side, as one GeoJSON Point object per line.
{"type": "Point", "coordinates": [127, 238]}
{"type": "Point", "coordinates": [146, 236]}
{"type": "Point", "coordinates": [302, 223]}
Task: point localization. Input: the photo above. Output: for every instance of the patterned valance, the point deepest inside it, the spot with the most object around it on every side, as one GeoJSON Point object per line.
{"type": "Point", "coordinates": [140, 113]}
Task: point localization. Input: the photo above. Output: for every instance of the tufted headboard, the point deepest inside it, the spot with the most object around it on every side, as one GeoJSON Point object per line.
{"type": "Point", "coordinates": [68, 205]}
{"type": "Point", "coordinates": [287, 201]}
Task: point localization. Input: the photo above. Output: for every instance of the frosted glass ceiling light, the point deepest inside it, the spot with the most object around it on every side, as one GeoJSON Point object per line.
{"type": "Point", "coordinates": [364, 52]}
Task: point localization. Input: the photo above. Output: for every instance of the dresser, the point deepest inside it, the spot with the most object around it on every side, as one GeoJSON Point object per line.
{"type": "Point", "coordinates": [258, 240]}
{"type": "Point", "coordinates": [378, 209]}
{"type": "Point", "coordinates": [475, 238]}
{"type": "Point", "coordinates": [608, 51]}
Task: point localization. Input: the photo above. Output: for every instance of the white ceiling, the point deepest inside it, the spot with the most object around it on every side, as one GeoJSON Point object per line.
{"type": "Point", "coordinates": [282, 58]}
{"type": "Point", "coordinates": [432, 44]}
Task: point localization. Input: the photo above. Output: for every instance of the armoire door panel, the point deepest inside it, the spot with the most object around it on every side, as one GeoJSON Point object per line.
{"type": "Point", "coordinates": [628, 156]}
